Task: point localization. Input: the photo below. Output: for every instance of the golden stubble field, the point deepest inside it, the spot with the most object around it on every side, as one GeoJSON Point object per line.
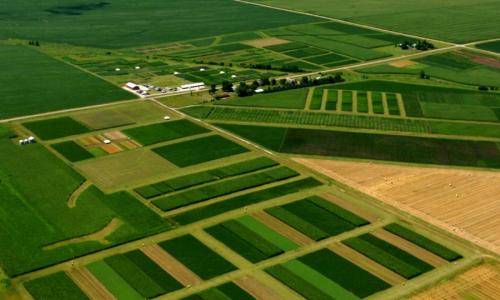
{"type": "Point", "coordinates": [465, 202]}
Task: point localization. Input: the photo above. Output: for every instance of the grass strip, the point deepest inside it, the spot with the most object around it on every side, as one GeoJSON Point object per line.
{"type": "Point", "coordinates": [115, 284]}
{"type": "Point", "coordinates": [268, 234]}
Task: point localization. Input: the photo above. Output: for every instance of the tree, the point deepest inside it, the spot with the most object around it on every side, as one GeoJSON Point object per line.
{"type": "Point", "coordinates": [274, 82]}
{"type": "Point", "coordinates": [227, 86]}
{"type": "Point", "coordinates": [265, 81]}
{"type": "Point", "coordinates": [244, 90]}
{"type": "Point", "coordinates": [37, 44]}
{"type": "Point", "coordinates": [213, 88]}
{"type": "Point", "coordinates": [304, 81]}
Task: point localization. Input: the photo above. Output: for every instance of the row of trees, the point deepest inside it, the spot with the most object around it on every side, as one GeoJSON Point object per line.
{"type": "Point", "coordinates": [34, 43]}
{"type": "Point", "coordinates": [421, 45]}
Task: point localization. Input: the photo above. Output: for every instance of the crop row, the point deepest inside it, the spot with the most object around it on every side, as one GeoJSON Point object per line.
{"type": "Point", "coordinates": [194, 179]}
{"type": "Point", "coordinates": [225, 187]}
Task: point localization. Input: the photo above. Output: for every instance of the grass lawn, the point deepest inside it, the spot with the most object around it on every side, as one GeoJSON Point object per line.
{"type": "Point", "coordinates": [295, 99]}
{"type": "Point", "coordinates": [126, 169]}
{"type": "Point", "coordinates": [199, 150]}
{"type": "Point", "coordinates": [30, 83]}
{"type": "Point", "coordinates": [121, 24]}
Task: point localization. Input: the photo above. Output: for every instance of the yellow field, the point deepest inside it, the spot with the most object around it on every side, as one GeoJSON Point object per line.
{"type": "Point", "coordinates": [465, 202]}
{"type": "Point", "coordinates": [482, 282]}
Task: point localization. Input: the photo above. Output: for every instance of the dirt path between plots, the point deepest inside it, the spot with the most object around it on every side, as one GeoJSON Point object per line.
{"type": "Point", "coordinates": [367, 264]}
{"type": "Point", "coordinates": [99, 236]}
{"type": "Point", "coordinates": [464, 202]}
{"type": "Point", "coordinates": [283, 228]}
{"type": "Point", "coordinates": [171, 265]}
{"type": "Point", "coordinates": [256, 288]}
{"type": "Point", "coordinates": [482, 282]}
{"type": "Point", "coordinates": [76, 194]}
{"type": "Point", "coordinates": [92, 287]}
{"type": "Point", "coordinates": [409, 247]}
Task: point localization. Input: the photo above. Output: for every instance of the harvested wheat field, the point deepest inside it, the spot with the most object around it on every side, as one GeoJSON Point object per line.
{"type": "Point", "coordinates": [403, 63]}
{"type": "Point", "coordinates": [465, 202]}
{"type": "Point", "coordinates": [482, 282]}
{"type": "Point", "coordinates": [261, 43]}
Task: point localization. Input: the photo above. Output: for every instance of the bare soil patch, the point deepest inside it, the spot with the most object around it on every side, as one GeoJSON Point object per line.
{"type": "Point", "coordinates": [464, 202]}
{"type": "Point", "coordinates": [487, 61]}
{"type": "Point", "coordinates": [261, 43]}
{"type": "Point", "coordinates": [481, 282]}
{"type": "Point", "coordinates": [171, 265]}
{"type": "Point", "coordinates": [403, 63]}
{"type": "Point", "coordinates": [256, 288]}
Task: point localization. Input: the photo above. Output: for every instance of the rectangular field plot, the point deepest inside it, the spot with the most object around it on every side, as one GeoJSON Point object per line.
{"type": "Point", "coordinates": [125, 169]}
{"type": "Point", "coordinates": [377, 104]}
{"type": "Point", "coordinates": [142, 274]}
{"type": "Point", "coordinates": [293, 99]}
{"type": "Point", "coordinates": [229, 291]}
{"type": "Point", "coordinates": [224, 187]}
{"type": "Point", "coordinates": [392, 104]}
{"type": "Point", "coordinates": [317, 218]}
{"type": "Point", "coordinates": [34, 79]}
{"type": "Point", "coordinates": [347, 101]}
{"type": "Point", "coordinates": [194, 179]}
{"type": "Point", "coordinates": [389, 255]}
{"type": "Point", "coordinates": [331, 102]}
{"type": "Point", "coordinates": [245, 200]}
{"type": "Point", "coordinates": [166, 131]}
{"type": "Point", "coordinates": [373, 146]}
{"type": "Point", "coordinates": [326, 275]}
{"type": "Point", "coordinates": [423, 242]}
{"type": "Point", "coordinates": [55, 286]}
{"type": "Point", "coordinates": [113, 282]}
{"type": "Point", "coordinates": [362, 102]}
{"type": "Point", "coordinates": [251, 239]}
{"type": "Point", "coordinates": [56, 128]}
{"type": "Point", "coordinates": [317, 99]}
{"type": "Point", "coordinates": [121, 115]}
{"type": "Point", "coordinates": [199, 150]}
{"type": "Point", "coordinates": [197, 257]}
{"type": "Point", "coordinates": [72, 151]}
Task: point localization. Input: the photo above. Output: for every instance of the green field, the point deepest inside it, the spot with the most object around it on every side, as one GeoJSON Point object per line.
{"type": "Point", "coordinates": [372, 146]}
{"type": "Point", "coordinates": [317, 218]}
{"type": "Point", "coordinates": [389, 255]}
{"type": "Point", "coordinates": [200, 150]}
{"type": "Point", "coordinates": [228, 291]}
{"type": "Point", "coordinates": [166, 131]}
{"type": "Point", "coordinates": [457, 21]}
{"type": "Point", "coordinates": [31, 84]}
{"type": "Point", "coordinates": [57, 285]}
{"type": "Point", "coordinates": [113, 282]}
{"type": "Point", "coordinates": [195, 255]}
{"type": "Point", "coordinates": [49, 129]}
{"type": "Point", "coordinates": [224, 187]}
{"type": "Point", "coordinates": [293, 99]}
{"type": "Point", "coordinates": [237, 202]}
{"type": "Point", "coordinates": [251, 239]}
{"type": "Point", "coordinates": [194, 179]}
{"type": "Point", "coordinates": [490, 46]}
{"type": "Point", "coordinates": [123, 24]}
{"type": "Point", "coordinates": [72, 151]}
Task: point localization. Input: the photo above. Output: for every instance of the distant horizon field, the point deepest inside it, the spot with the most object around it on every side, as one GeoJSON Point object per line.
{"type": "Point", "coordinates": [449, 20]}
{"type": "Point", "coordinates": [30, 83]}
{"type": "Point", "coordinates": [122, 24]}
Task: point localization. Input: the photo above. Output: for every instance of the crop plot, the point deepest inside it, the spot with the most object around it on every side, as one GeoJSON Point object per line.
{"type": "Point", "coordinates": [56, 128]}
{"type": "Point", "coordinates": [72, 151]}
{"type": "Point", "coordinates": [326, 275]}
{"type": "Point", "coordinates": [225, 291]}
{"type": "Point", "coordinates": [166, 131]}
{"type": "Point", "coordinates": [372, 146]}
{"type": "Point", "coordinates": [224, 187]}
{"type": "Point", "coordinates": [293, 99]}
{"type": "Point", "coordinates": [212, 175]}
{"type": "Point", "coordinates": [197, 256]}
{"type": "Point", "coordinates": [55, 285]}
{"type": "Point", "coordinates": [317, 218]}
{"type": "Point", "coordinates": [251, 239]}
{"type": "Point", "coordinates": [389, 255]}
{"type": "Point", "coordinates": [199, 150]}
{"type": "Point", "coordinates": [238, 202]}
{"type": "Point", "coordinates": [108, 143]}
